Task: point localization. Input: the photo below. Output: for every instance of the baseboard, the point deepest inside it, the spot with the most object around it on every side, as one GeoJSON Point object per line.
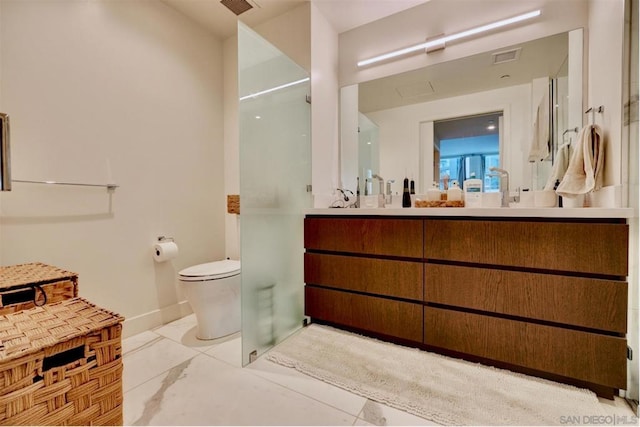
{"type": "Point", "coordinates": [153, 319]}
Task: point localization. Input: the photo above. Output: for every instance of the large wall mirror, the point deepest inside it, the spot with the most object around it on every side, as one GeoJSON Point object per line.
{"type": "Point", "coordinates": [463, 116]}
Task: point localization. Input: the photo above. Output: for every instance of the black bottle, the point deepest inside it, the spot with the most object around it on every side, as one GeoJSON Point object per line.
{"type": "Point", "coordinates": [413, 187]}
{"type": "Point", "coordinates": [406, 196]}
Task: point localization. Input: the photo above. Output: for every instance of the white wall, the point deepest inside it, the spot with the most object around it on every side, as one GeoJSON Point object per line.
{"type": "Point", "coordinates": [348, 137]}
{"type": "Point", "coordinates": [324, 101]}
{"type": "Point", "coordinates": [123, 91]}
{"type": "Point", "coordinates": [231, 143]}
{"type": "Point", "coordinates": [400, 150]}
{"type": "Point", "coordinates": [605, 35]}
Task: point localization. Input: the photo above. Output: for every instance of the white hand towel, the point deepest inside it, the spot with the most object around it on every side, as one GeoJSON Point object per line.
{"type": "Point", "coordinates": [560, 166]}
{"type": "Point", "coordinates": [585, 171]}
{"type": "Point", "coordinates": [540, 133]}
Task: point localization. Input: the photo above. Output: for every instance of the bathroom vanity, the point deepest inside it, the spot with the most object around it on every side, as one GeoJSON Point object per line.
{"type": "Point", "coordinates": [539, 291]}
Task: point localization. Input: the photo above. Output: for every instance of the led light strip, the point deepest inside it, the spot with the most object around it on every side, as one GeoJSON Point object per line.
{"type": "Point", "coordinates": [445, 39]}
{"type": "Point", "coordinates": [273, 89]}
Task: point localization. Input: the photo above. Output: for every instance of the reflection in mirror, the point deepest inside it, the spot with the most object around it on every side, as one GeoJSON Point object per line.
{"type": "Point", "coordinates": [368, 152]}
{"type": "Point", "coordinates": [512, 80]}
{"type": "Point", "coordinates": [465, 148]}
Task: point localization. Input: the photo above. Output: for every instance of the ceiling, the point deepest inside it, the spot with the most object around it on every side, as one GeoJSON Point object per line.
{"type": "Point", "coordinates": [342, 14]}
{"type": "Point", "coordinates": [477, 73]}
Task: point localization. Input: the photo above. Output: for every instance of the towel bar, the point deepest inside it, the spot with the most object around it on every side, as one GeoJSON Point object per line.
{"type": "Point", "coordinates": [109, 187]}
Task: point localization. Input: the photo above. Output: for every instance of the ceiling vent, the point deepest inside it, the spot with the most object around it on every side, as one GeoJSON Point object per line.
{"type": "Point", "coordinates": [237, 6]}
{"type": "Point", "coordinates": [506, 56]}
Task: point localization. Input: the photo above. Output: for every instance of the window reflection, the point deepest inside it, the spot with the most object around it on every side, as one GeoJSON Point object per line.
{"type": "Point", "coordinates": [466, 148]}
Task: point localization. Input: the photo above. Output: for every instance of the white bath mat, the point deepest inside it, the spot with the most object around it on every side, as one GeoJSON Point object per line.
{"type": "Point", "coordinates": [438, 388]}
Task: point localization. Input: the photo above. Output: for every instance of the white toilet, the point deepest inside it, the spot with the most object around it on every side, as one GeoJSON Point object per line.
{"type": "Point", "coordinates": [213, 291]}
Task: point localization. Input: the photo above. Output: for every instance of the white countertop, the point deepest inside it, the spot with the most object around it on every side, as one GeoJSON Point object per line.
{"type": "Point", "coordinates": [483, 212]}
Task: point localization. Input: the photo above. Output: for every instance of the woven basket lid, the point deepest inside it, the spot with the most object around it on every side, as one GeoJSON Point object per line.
{"type": "Point", "coordinates": [32, 273]}
{"type": "Point", "coordinates": [29, 331]}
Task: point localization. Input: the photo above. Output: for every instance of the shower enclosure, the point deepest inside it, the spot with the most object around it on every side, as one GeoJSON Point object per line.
{"type": "Point", "coordinates": [275, 173]}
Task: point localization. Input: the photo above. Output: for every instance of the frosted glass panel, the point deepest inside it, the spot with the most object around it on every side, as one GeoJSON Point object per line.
{"type": "Point", "coordinates": [275, 169]}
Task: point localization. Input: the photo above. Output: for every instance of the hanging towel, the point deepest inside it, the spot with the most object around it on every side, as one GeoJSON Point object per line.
{"type": "Point", "coordinates": [585, 171]}
{"type": "Point", "coordinates": [560, 165]}
{"type": "Point", "coordinates": [540, 133]}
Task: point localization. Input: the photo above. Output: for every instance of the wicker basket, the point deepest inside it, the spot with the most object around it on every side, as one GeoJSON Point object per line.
{"type": "Point", "coordinates": [61, 364]}
{"type": "Point", "coordinates": [25, 286]}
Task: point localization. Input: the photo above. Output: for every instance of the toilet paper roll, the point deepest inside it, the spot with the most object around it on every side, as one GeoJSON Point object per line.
{"type": "Point", "coordinates": [165, 251]}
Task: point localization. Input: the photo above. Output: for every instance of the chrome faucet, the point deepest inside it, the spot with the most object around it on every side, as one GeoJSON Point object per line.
{"type": "Point", "coordinates": [504, 187]}
{"type": "Point", "coordinates": [381, 179]}
{"type": "Point", "coordinates": [388, 198]}
{"type": "Point", "coordinates": [381, 199]}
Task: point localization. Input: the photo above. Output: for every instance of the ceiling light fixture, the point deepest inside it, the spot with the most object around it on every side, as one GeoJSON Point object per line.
{"type": "Point", "coordinates": [444, 39]}
{"type": "Point", "coordinates": [273, 89]}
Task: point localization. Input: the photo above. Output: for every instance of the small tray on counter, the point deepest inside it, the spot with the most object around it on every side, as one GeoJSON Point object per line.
{"type": "Point", "coordinates": [439, 204]}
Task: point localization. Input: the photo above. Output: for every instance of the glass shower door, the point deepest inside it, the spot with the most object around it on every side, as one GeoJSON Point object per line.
{"type": "Point", "coordinates": [275, 169]}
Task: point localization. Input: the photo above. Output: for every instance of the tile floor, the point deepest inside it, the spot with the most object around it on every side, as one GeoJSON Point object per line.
{"type": "Point", "coordinates": [171, 378]}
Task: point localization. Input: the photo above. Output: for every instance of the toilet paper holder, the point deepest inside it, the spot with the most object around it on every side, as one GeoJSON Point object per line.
{"type": "Point", "coordinates": [165, 239]}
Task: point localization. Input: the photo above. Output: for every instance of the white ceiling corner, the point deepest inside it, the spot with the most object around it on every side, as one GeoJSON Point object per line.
{"type": "Point", "coordinates": [343, 15]}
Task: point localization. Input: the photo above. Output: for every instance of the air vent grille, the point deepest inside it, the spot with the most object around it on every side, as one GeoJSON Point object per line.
{"type": "Point", "coordinates": [237, 6]}
{"type": "Point", "coordinates": [506, 56]}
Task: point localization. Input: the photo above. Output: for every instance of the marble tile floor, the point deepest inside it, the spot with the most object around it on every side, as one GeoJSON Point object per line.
{"type": "Point", "coordinates": [172, 378]}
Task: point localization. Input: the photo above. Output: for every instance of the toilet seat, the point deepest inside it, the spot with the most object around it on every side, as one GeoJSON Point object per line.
{"type": "Point", "coordinates": [210, 271]}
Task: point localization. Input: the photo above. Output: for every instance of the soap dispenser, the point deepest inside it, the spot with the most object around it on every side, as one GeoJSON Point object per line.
{"type": "Point", "coordinates": [454, 193]}
{"type": "Point", "coordinates": [434, 194]}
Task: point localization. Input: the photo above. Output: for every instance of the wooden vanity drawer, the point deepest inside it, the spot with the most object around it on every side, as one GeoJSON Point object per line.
{"type": "Point", "coordinates": [590, 303]}
{"type": "Point", "coordinates": [374, 236]}
{"type": "Point", "coordinates": [590, 357]}
{"type": "Point", "coordinates": [596, 248]}
{"type": "Point", "coordinates": [401, 279]}
{"type": "Point", "coordinates": [379, 315]}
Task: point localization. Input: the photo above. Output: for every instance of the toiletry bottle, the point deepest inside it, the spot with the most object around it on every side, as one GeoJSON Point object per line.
{"type": "Point", "coordinates": [473, 185]}
{"type": "Point", "coordinates": [454, 193]}
{"type": "Point", "coordinates": [412, 188]}
{"type": "Point", "coordinates": [357, 205]}
{"type": "Point", "coordinates": [472, 192]}
{"type": "Point", "coordinates": [406, 195]}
